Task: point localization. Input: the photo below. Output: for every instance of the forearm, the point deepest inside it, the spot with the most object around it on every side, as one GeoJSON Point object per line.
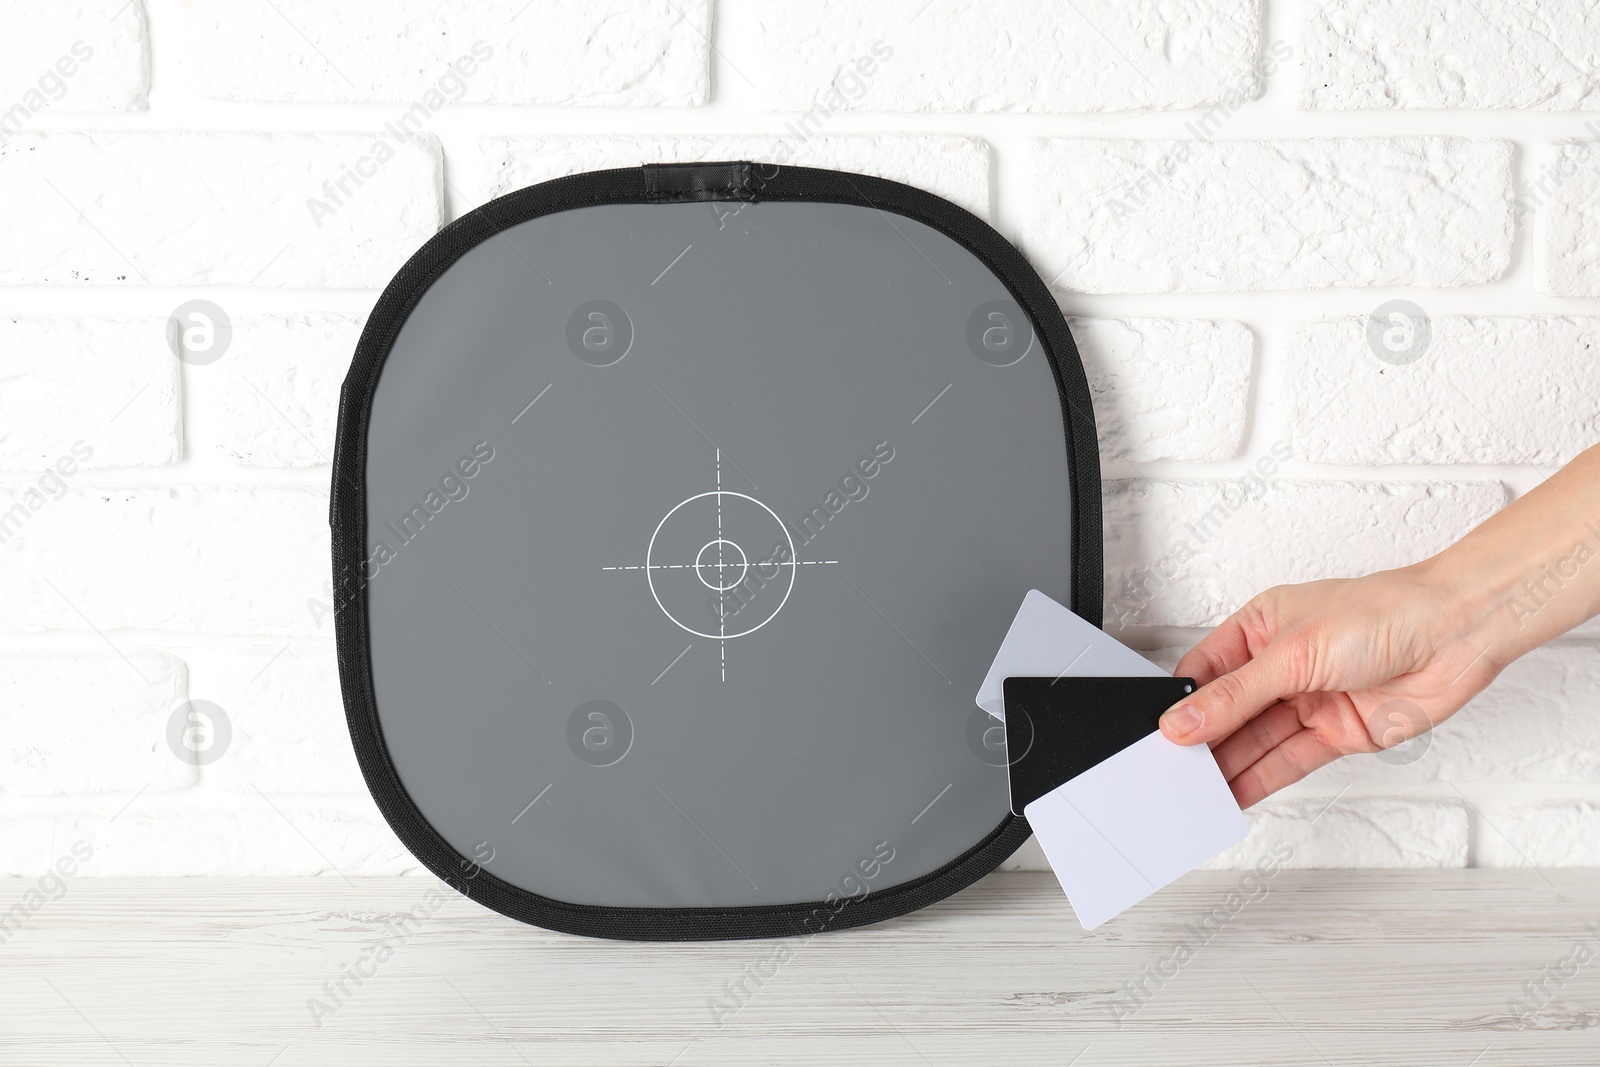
{"type": "Point", "coordinates": [1531, 572]}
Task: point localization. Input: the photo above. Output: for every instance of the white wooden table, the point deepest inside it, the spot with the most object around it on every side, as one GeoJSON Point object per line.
{"type": "Point", "coordinates": [1324, 968]}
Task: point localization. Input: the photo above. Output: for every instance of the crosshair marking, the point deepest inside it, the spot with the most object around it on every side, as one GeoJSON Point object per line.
{"type": "Point", "coordinates": [722, 564]}
{"type": "Point", "coordinates": [765, 513]}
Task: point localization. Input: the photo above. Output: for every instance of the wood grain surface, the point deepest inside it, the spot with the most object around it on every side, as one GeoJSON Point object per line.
{"type": "Point", "coordinates": [1307, 967]}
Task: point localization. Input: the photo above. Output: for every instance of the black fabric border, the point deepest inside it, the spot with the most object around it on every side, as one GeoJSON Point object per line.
{"type": "Point", "coordinates": [348, 519]}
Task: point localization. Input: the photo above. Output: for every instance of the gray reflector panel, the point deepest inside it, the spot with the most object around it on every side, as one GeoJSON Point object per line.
{"type": "Point", "coordinates": [597, 659]}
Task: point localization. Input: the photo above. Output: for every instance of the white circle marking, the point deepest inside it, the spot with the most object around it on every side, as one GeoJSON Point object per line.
{"type": "Point", "coordinates": [649, 573]}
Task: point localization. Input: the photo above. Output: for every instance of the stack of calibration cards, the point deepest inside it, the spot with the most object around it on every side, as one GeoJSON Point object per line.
{"type": "Point", "coordinates": [1119, 810]}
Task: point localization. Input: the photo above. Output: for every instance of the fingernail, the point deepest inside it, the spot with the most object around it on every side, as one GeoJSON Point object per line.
{"type": "Point", "coordinates": [1181, 720]}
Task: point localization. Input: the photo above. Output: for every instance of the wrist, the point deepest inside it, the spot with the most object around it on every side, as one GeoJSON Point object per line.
{"type": "Point", "coordinates": [1494, 601]}
{"type": "Point", "coordinates": [1464, 589]}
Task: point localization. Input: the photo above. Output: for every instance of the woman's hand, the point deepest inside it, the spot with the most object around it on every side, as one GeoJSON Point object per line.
{"type": "Point", "coordinates": [1304, 674]}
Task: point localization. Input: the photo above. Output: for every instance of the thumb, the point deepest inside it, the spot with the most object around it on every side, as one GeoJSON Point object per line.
{"type": "Point", "coordinates": [1219, 708]}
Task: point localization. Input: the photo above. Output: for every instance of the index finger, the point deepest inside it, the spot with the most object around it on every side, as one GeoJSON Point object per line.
{"type": "Point", "coordinates": [1222, 651]}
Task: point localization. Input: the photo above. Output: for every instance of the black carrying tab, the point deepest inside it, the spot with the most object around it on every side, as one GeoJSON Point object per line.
{"type": "Point", "coordinates": [683, 183]}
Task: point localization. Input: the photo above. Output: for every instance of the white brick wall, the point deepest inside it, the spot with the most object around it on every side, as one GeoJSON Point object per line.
{"type": "Point", "coordinates": [1384, 832]}
{"type": "Point", "coordinates": [215, 208]}
{"type": "Point", "coordinates": [1004, 55]}
{"type": "Point", "coordinates": [624, 53]}
{"type": "Point", "coordinates": [195, 559]}
{"type": "Point", "coordinates": [263, 837]}
{"type": "Point", "coordinates": [287, 720]}
{"type": "Point", "coordinates": [1187, 553]}
{"type": "Point", "coordinates": [109, 385]}
{"type": "Point", "coordinates": [1548, 834]}
{"type": "Point", "coordinates": [71, 55]}
{"type": "Point", "coordinates": [1483, 390]}
{"type": "Point", "coordinates": [89, 722]}
{"type": "Point", "coordinates": [1567, 189]}
{"type": "Point", "coordinates": [1451, 54]}
{"type": "Point", "coordinates": [1223, 192]}
{"type": "Point", "coordinates": [1135, 368]}
{"type": "Point", "coordinates": [1205, 216]}
{"type": "Point", "coordinates": [273, 401]}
